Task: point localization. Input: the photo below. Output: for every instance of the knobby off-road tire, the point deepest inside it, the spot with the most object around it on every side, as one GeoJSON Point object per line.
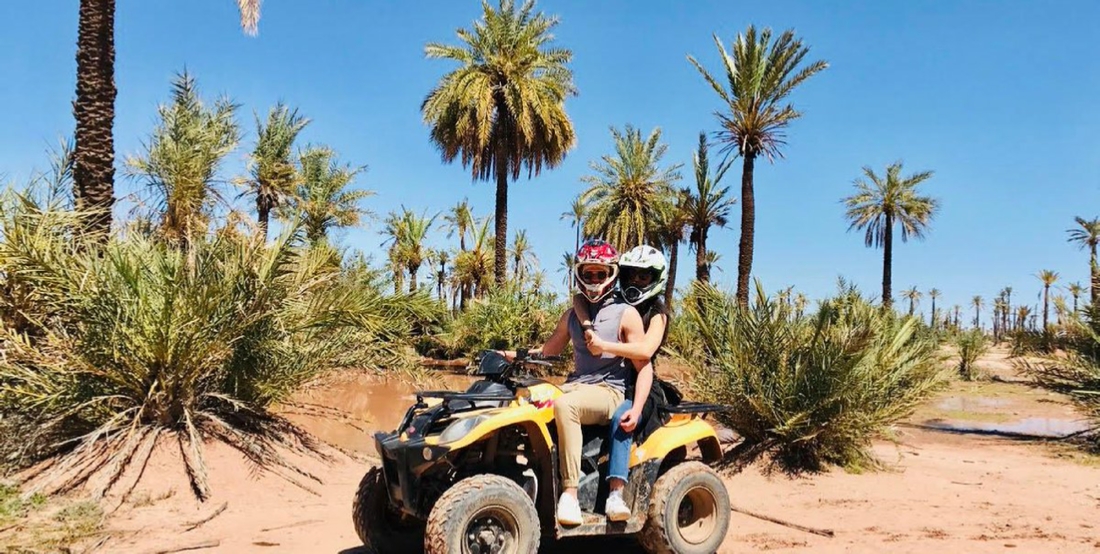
{"type": "Point", "coordinates": [479, 512]}
{"type": "Point", "coordinates": [689, 512]}
{"type": "Point", "coordinates": [381, 529]}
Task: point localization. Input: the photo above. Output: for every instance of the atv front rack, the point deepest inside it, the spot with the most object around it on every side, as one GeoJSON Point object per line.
{"type": "Point", "coordinates": [447, 395]}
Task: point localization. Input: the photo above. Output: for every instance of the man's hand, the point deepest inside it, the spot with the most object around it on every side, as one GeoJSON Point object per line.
{"type": "Point", "coordinates": [629, 420]}
{"type": "Point", "coordinates": [509, 355]}
{"type": "Point", "coordinates": [594, 342]}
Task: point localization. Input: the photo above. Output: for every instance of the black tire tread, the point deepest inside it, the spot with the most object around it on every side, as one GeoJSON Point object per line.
{"type": "Point", "coordinates": [370, 486]}
{"type": "Point", "coordinates": [655, 537]}
{"type": "Point", "coordinates": [450, 507]}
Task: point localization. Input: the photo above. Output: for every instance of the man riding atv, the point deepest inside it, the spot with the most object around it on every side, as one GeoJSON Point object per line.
{"type": "Point", "coordinates": [594, 391]}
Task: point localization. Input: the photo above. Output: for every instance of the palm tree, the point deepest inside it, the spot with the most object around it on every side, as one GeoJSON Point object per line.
{"type": "Point", "coordinates": [760, 74]}
{"type": "Point", "coordinates": [957, 309]}
{"type": "Point", "coordinates": [630, 193]}
{"type": "Point", "coordinates": [567, 261]}
{"type": "Point", "coordinates": [474, 267]}
{"type": "Point", "coordinates": [576, 215]}
{"type": "Point", "coordinates": [711, 261]}
{"type": "Point", "coordinates": [503, 108]}
{"type": "Point", "coordinates": [1048, 278]}
{"type": "Point", "coordinates": [182, 157]}
{"type": "Point", "coordinates": [1059, 302]}
{"type": "Point", "coordinates": [1007, 293]}
{"type": "Point", "coordinates": [933, 294]}
{"type": "Point", "coordinates": [273, 176]}
{"type": "Point", "coordinates": [672, 226]}
{"type": "Point", "coordinates": [978, 304]}
{"type": "Point", "coordinates": [522, 256]}
{"type": "Point", "coordinates": [1075, 289]}
{"type": "Point", "coordinates": [1087, 235]}
{"type": "Point", "coordinates": [94, 108]}
{"type": "Point", "coordinates": [323, 199]}
{"type": "Point", "coordinates": [877, 205]}
{"type": "Point", "coordinates": [914, 297]}
{"type": "Point", "coordinates": [459, 220]}
{"type": "Point", "coordinates": [407, 232]}
{"type": "Point", "coordinates": [1022, 313]}
{"type": "Point", "coordinates": [707, 206]}
{"type": "Point", "coordinates": [440, 275]}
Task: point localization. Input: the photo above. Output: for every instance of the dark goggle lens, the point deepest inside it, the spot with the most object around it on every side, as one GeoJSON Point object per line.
{"type": "Point", "coordinates": [594, 276]}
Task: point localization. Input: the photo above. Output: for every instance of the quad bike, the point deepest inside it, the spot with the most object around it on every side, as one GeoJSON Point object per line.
{"type": "Point", "coordinates": [477, 472]}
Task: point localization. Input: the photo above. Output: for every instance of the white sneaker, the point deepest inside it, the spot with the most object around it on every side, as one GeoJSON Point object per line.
{"type": "Point", "coordinates": [616, 507]}
{"type": "Point", "coordinates": [569, 510]}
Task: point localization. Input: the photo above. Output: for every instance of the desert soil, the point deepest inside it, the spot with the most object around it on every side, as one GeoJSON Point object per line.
{"type": "Point", "coordinates": [953, 482]}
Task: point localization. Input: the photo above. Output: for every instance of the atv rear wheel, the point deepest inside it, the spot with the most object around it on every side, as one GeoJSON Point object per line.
{"type": "Point", "coordinates": [378, 524]}
{"type": "Point", "coordinates": [480, 515]}
{"type": "Point", "coordinates": [689, 512]}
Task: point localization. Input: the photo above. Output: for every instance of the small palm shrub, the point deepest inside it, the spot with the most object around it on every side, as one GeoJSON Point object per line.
{"type": "Point", "coordinates": [505, 318]}
{"type": "Point", "coordinates": [108, 348]}
{"type": "Point", "coordinates": [810, 390]}
{"type": "Point", "coordinates": [971, 345]}
{"type": "Point", "coordinates": [1076, 375]}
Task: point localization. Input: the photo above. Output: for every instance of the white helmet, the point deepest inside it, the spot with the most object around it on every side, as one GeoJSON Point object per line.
{"type": "Point", "coordinates": [647, 259]}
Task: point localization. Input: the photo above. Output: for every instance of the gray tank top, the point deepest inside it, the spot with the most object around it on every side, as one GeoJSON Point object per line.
{"type": "Point", "coordinates": [593, 370]}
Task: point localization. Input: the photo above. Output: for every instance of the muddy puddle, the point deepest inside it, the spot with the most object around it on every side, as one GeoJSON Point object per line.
{"type": "Point", "coordinates": [366, 403]}
{"type": "Point", "coordinates": [1046, 427]}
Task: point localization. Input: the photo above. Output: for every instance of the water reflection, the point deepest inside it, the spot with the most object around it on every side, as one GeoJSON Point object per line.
{"type": "Point", "coordinates": [1032, 426]}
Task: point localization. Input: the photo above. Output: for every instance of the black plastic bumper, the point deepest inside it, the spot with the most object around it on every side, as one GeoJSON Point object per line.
{"type": "Point", "coordinates": [403, 465]}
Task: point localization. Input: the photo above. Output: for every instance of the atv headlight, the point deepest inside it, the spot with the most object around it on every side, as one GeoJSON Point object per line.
{"type": "Point", "coordinates": [460, 428]}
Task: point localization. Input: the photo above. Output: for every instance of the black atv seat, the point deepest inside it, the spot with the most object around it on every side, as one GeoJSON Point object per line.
{"type": "Point", "coordinates": [594, 446]}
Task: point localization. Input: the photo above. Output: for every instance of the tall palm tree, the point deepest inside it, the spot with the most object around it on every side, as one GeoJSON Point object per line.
{"type": "Point", "coordinates": [978, 302]}
{"type": "Point", "coordinates": [1022, 313]}
{"type": "Point", "coordinates": [1048, 278]}
{"type": "Point", "coordinates": [674, 222]}
{"type": "Point", "coordinates": [503, 108]}
{"type": "Point", "coordinates": [914, 297]}
{"type": "Point", "coordinates": [567, 261]}
{"type": "Point", "coordinates": [273, 176]}
{"type": "Point", "coordinates": [440, 275]}
{"type": "Point", "coordinates": [707, 205]}
{"type": "Point", "coordinates": [407, 232]}
{"type": "Point", "coordinates": [474, 267]}
{"type": "Point", "coordinates": [459, 220]}
{"type": "Point", "coordinates": [1087, 235]}
{"type": "Point", "coordinates": [933, 294]}
{"type": "Point", "coordinates": [522, 255]}
{"type": "Point", "coordinates": [181, 159]}
{"type": "Point", "coordinates": [575, 215]}
{"type": "Point", "coordinates": [630, 193]}
{"type": "Point", "coordinates": [760, 75]}
{"type": "Point", "coordinates": [323, 199]}
{"type": "Point", "coordinates": [886, 200]}
{"type": "Point", "coordinates": [957, 309]}
{"type": "Point", "coordinates": [1075, 290]}
{"type": "Point", "coordinates": [94, 108]}
{"type": "Point", "coordinates": [1007, 293]}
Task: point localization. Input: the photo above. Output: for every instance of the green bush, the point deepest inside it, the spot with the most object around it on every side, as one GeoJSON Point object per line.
{"type": "Point", "coordinates": [109, 347]}
{"type": "Point", "coordinates": [1076, 375]}
{"type": "Point", "coordinates": [505, 318]}
{"type": "Point", "coordinates": [971, 345]}
{"type": "Point", "coordinates": [810, 390]}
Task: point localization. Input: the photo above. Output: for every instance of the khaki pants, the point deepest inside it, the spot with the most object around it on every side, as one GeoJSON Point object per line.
{"type": "Point", "coordinates": [580, 405]}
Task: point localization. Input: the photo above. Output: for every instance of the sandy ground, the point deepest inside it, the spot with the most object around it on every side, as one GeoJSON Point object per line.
{"type": "Point", "coordinates": [943, 491]}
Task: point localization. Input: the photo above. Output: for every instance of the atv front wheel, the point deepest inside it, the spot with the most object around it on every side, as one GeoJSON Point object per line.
{"type": "Point", "coordinates": [689, 512]}
{"type": "Point", "coordinates": [480, 515]}
{"type": "Point", "coordinates": [378, 524]}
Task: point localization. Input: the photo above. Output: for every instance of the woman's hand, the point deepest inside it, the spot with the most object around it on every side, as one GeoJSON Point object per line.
{"type": "Point", "coordinates": [629, 420]}
{"type": "Point", "coordinates": [594, 342]}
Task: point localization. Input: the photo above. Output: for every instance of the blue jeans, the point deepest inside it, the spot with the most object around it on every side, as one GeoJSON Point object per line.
{"type": "Point", "coordinates": [618, 457]}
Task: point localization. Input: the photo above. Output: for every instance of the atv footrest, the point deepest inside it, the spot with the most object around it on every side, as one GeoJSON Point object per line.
{"type": "Point", "coordinates": [696, 408]}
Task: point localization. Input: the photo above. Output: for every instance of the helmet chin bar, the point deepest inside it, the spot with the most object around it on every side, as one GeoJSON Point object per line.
{"type": "Point", "coordinates": [599, 291]}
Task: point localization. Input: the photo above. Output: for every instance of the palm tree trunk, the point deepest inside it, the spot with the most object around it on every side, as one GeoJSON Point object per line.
{"type": "Point", "coordinates": [1046, 291]}
{"type": "Point", "coordinates": [887, 258]}
{"type": "Point", "coordinates": [262, 213]}
{"type": "Point", "coordinates": [670, 286]}
{"type": "Point", "coordinates": [911, 307]}
{"type": "Point", "coordinates": [933, 320]}
{"type": "Point", "coordinates": [412, 278]}
{"type": "Point", "coordinates": [702, 269]}
{"type": "Point", "coordinates": [1094, 278]}
{"type": "Point", "coordinates": [94, 110]}
{"type": "Point", "coordinates": [500, 242]}
{"type": "Point", "coordinates": [748, 222]}
{"type": "Point", "coordinates": [577, 245]}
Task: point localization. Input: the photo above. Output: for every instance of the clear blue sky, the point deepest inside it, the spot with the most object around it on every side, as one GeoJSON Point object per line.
{"type": "Point", "coordinates": [999, 98]}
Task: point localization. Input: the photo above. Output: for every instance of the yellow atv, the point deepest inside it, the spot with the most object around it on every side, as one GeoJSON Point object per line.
{"type": "Point", "coordinates": [477, 472]}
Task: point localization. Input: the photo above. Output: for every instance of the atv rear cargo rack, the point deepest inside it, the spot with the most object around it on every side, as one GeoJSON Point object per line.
{"type": "Point", "coordinates": [696, 408]}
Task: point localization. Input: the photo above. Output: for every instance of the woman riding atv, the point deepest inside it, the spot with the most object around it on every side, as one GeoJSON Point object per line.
{"type": "Point", "coordinates": [596, 388]}
{"type": "Point", "coordinates": [643, 274]}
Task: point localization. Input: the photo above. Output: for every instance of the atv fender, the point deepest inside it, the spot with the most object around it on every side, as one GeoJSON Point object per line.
{"type": "Point", "coordinates": [680, 432]}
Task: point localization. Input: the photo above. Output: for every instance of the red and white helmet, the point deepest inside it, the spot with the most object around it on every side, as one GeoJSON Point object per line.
{"type": "Point", "coordinates": [594, 257]}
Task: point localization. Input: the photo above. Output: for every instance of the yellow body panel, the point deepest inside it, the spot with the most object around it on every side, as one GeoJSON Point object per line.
{"type": "Point", "coordinates": [532, 405]}
{"type": "Point", "coordinates": [681, 430]}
